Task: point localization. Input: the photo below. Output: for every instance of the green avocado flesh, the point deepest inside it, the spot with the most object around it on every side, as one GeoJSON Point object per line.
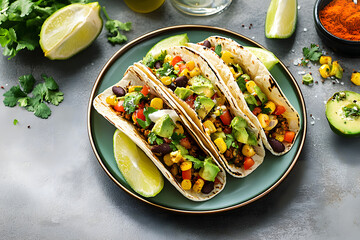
{"type": "Point", "coordinates": [343, 113]}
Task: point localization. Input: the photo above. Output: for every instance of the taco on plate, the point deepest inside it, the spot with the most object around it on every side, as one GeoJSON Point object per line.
{"type": "Point", "coordinates": [195, 88]}
{"type": "Point", "coordinates": [256, 92]}
{"type": "Point", "coordinates": [136, 106]}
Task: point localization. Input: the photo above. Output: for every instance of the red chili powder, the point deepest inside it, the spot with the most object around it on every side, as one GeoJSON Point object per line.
{"type": "Point", "coordinates": [342, 19]}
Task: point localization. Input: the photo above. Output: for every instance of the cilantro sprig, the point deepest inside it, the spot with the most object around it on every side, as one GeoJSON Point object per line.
{"type": "Point", "coordinates": [147, 122]}
{"type": "Point", "coordinates": [114, 27]}
{"type": "Point", "coordinates": [42, 93]}
{"type": "Point", "coordinates": [21, 21]}
{"type": "Point", "coordinates": [311, 54]}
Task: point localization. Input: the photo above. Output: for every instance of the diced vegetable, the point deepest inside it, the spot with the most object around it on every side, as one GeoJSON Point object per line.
{"type": "Point", "coordinates": [175, 60]}
{"type": "Point", "coordinates": [190, 65]}
{"type": "Point", "coordinates": [198, 185]}
{"type": "Point", "coordinates": [325, 60]}
{"type": "Point", "coordinates": [185, 72]}
{"type": "Point", "coordinates": [248, 150]}
{"type": "Point", "coordinates": [185, 143]}
{"type": "Point", "coordinates": [111, 100]}
{"type": "Point", "coordinates": [264, 120]}
{"type": "Point", "coordinates": [220, 143]}
{"type": "Point", "coordinates": [167, 160]}
{"type": "Point", "coordinates": [119, 107]}
{"type": "Point", "coordinates": [279, 110]}
{"type": "Point", "coordinates": [168, 58]}
{"type": "Point", "coordinates": [157, 103]}
{"type": "Point", "coordinates": [186, 184]}
{"type": "Point", "coordinates": [271, 105]}
{"type": "Point", "coordinates": [289, 136]}
{"type": "Point", "coordinates": [355, 78]}
{"type": "Point", "coordinates": [227, 57]}
{"type": "Point", "coordinates": [210, 126]}
{"type": "Point", "coordinates": [195, 72]}
{"type": "Point", "coordinates": [279, 137]}
{"type": "Point", "coordinates": [250, 87]}
{"type": "Point", "coordinates": [256, 111]}
{"type": "Point", "coordinates": [248, 163]}
{"type": "Point", "coordinates": [324, 71]}
{"type": "Point", "coordinates": [226, 117]}
{"type": "Point", "coordinates": [166, 80]}
{"type": "Point", "coordinates": [145, 90]}
{"type": "Point", "coordinates": [186, 165]}
{"type": "Point", "coordinates": [179, 129]}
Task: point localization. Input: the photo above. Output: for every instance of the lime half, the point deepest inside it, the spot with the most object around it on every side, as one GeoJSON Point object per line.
{"type": "Point", "coordinates": [281, 18]}
{"type": "Point", "coordinates": [177, 40]}
{"type": "Point", "coordinates": [265, 56]}
{"type": "Point", "coordinates": [70, 29]}
{"type": "Point", "coordinates": [137, 169]}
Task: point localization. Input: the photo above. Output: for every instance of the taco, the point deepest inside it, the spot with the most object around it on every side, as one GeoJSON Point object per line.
{"type": "Point", "coordinates": [193, 85]}
{"type": "Point", "coordinates": [137, 107]}
{"type": "Point", "coordinates": [256, 92]}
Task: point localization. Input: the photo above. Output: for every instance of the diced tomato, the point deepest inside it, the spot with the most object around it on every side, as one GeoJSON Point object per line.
{"type": "Point", "coordinates": [279, 110]}
{"type": "Point", "coordinates": [140, 114]}
{"type": "Point", "coordinates": [216, 181]}
{"type": "Point", "coordinates": [167, 140]}
{"type": "Point", "coordinates": [145, 90]}
{"type": "Point", "coordinates": [256, 111]}
{"type": "Point", "coordinates": [227, 130]}
{"type": "Point", "coordinates": [212, 48]}
{"type": "Point", "coordinates": [182, 66]}
{"type": "Point", "coordinates": [248, 163]}
{"type": "Point", "coordinates": [185, 143]}
{"type": "Point", "coordinates": [119, 107]}
{"type": "Point", "coordinates": [186, 174]}
{"type": "Point", "coordinates": [141, 104]}
{"type": "Point", "coordinates": [289, 136]}
{"type": "Point", "coordinates": [226, 117]}
{"type": "Point", "coordinates": [190, 100]}
{"type": "Point", "coordinates": [214, 96]}
{"type": "Point", "coordinates": [175, 60]}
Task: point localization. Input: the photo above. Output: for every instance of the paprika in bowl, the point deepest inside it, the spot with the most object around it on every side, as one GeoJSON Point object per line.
{"type": "Point", "coordinates": [338, 24]}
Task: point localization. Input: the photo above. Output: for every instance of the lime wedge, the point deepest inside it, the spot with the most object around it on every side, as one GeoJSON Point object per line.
{"type": "Point", "coordinates": [281, 18]}
{"type": "Point", "coordinates": [137, 169]}
{"type": "Point", "coordinates": [265, 56]}
{"type": "Point", "coordinates": [70, 29]}
{"type": "Point", "coordinates": [177, 40]}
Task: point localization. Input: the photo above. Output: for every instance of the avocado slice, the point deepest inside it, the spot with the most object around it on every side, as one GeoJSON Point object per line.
{"type": "Point", "coordinates": [209, 171]}
{"type": "Point", "coordinates": [250, 99]}
{"type": "Point", "coordinates": [202, 86]}
{"type": "Point", "coordinates": [164, 126]}
{"type": "Point", "coordinates": [203, 106]}
{"type": "Point", "coordinates": [343, 113]}
{"type": "Point", "coordinates": [183, 93]}
{"type": "Point", "coordinates": [260, 95]}
{"type": "Point", "coordinates": [216, 135]}
{"type": "Point", "coordinates": [238, 125]}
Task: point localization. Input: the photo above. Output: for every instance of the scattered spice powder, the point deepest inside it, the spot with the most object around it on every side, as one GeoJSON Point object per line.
{"type": "Point", "coordinates": [342, 19]}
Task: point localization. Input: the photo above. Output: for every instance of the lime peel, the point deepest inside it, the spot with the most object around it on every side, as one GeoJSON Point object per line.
{"type": "Point", "coordinates": [177, 40]}
{"type": "Point", "coordinates": [265, 56]}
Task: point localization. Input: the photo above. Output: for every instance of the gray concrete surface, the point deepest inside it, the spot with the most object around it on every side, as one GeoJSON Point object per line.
{"type": "Point", "coordinates": [52, 186]}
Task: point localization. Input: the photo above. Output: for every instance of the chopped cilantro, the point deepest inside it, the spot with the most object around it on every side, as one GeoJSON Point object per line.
{"type": "Point", "coordinates": [265, 110]}
{"type": "Point", "coordinates": [147, 122]}
{"type": "Point", "coordinates": [15, 121]}
{"type": "Point", "coordinates": [230, 141]}
{"type": "Point", "coordinates": [131, 101]}
{"type": "Point", "coordinates": [313, 54]}
{"type": "Point", "coordinates": [197, 163]}
{"type": "Point", "coordinates": [114, 27]}
{"type": "Point", "coordinates": [241, 83]}
{"type": "Point", "coordinates": [152, 138]}
{"type": "Point", "coordinates": [218, 50]}
{"type": "Point", "coordinates": [352, 110]}
{"type": "Point", "coordinates": [150, 61]}
{"type": "Point", "coordinates": [166, 70]}
{"type": "Point", "coordinates": [41, 93]}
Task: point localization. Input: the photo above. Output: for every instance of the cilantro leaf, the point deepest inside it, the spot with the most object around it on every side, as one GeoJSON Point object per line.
{"type": "Point", "coordinates": [218, 49]}
{"type": "Point", "coordinates": [50, 82]}
{"type": "Point", "coordinates": [40, 90]}
{"type": "Point", "coordinates": [131, 101]}
{"type": "Point", "coordinates": [176, 137]}
{"type": "Point", "coordinates": [150, 61]}
{"type": "Point", "coordinates": [197, 163]}
{"type": "Point", "coordinates": [241, 83]}
{"type": "Point", "coordinates": [166, 70]}
{"type": "Point", "coordinates": [23, 102]}
{"type": "Point", "coordinates": [10, 101]}
{"type": "Point", "coordinates": [54, 97]}
{"type": "Point", "coordinates": [265, 110]}
{"type": "Point", "coordinates": [147, 122]}
{"type": "Point", "coordinates": [12, 96]}
{"type": "Point", "coordinates": [230, 141]}
{"type": "Point", "coordinates": [114, 27]}
{"type": "Point", "coordinates": [15, 121]}
{"type": "Point", "coordinates": [313, 54]}
{"type": "Point", "coordinates": [152, 138]}
{"type": "Point", "coordinates": [42, 111]}
{"type": "Point", "coordinates": [33, 103]}
{"type": "Point", "coordinates": [27, 83]}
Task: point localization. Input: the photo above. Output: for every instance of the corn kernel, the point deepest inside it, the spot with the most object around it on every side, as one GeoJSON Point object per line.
{"type": "Point", "coordinates": [176, 67]}
{"type": "Point", "coordinates": [324, 71]}
{"type": "Point", "coordinates": [135, 88]}
{"type": "Point", "coordinates": [271, 105]}
{"type": "Point", "coordinates": [198, 185]}
{"type": "Point", "coordinates": [168, 58]}
{"type": "Point", "coordinates": [186, 184]}
{"type": "Point", "coordinates": [195, 72]}
{"type": "Point", "coordinates": [167, 160]}
{"type": "Point", "coordinates": [157, 103]}
{"type": "Point", "coordinates": [185, 72]}
{"type": "Point", "coordinates": [179, 128]}
{"type": "Point", "coordinates": [209, 125]}
{"type": "Point", "coordinates": [176, 156]}
{"type": "Point", "coordinates": [325, 60]}
{"type": "Point", "coordinates": [227, 57]}
{"type": "Point", "coordinates": [217, 112]}
{"type": "Point", "coordinates": [166, 80]}
{"type": "Point", "coordinates": [248, 151]}
{"type": "Point", "coordinates": [250, 87]}
{"type": "Point", "coordinates": [355, 78]}
{"type": "Point", "coordinates": [190, 65]}
{"type": "Point", "coordinates": [263, 119]}
{"type": "Point", "coordinates": [279, 137]}
{"type": "Point", "coordinates": [232, 71]}
{"type": "Point", "coordinates": [220, 143]}
{"type": "Point", "coordinates": [111, 100]}
{"type": "Point", "coordinates": [186, 165]}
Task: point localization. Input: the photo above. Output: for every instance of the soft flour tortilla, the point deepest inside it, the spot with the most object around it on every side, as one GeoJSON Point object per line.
{"type": "Point", "coordinates": [135, 77]}
{"type": "Point", "coordinates": [259, 74]}
{"type": "Point", "coordinates": [211, 73]}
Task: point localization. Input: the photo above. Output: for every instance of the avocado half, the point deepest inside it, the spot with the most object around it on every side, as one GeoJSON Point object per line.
{"type": "Point", "coordinates": [343, 113]}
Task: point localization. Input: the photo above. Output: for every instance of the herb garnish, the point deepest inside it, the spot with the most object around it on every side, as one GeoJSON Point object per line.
{"type": "Point", "coordinates": [313, 54]}
{"type": "Point", "coordinates": [230, 141]}
{"type": "Point", "coordinates": [150, 61]}
{"type": "Point", "coordinates": [48, 91]}
{"type": "Point", "coordinates": [152, 138]}
{"type": "Point", "coordinates": [352, 110]}
{"type": "Point", "coordinates": [218, 50]}
{"type": "Point", "coordinates": [114, 27]}
{"type": "Point", "coordinates": [147, 122]}
{"type": "Point", "coordinates": [166, 70]}
{"type": "Point", "coordinates": [131, 101]}
{"type": "Point", "coordinates": [197, 163]}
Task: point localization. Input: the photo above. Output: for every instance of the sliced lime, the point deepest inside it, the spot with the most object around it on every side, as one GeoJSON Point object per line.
{"type": "Point", "coordinates": [137, 169]}
{"type": "Point", "coordinates": [281, 18]}
{"type": "Point", "coordinates": [265, 56]}
{"type": "Point", "coordinates": [177, 40]}
{"type": "Point", "coordinates": [70, 29]}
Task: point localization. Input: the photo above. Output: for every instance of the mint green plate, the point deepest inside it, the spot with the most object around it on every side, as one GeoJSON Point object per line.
{"type": "Point", "coordinates": [237, 192]}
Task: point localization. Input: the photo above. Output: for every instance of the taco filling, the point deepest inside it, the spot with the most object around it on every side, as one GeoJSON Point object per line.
{"type": "Point", "coordinates": [275, 126]}
{"type": "Point", "coordinates": [160, 126]}
{"type": "Point", "coordinates": [231, 135]}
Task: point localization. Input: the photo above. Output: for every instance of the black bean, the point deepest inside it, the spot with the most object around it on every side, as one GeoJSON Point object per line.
{"type": "Point", "coordinates": [118, 91]}
{"type": "Point", "coordinates": [276, 145]}
{"type": "Point", "coordinates": [158, 64]}
{"type": "Point", "coordinates": [162, 149]}
{"type": "Point", "coordinates": [172, 86]}
{"type": "Point", "coordinates": [181, 81]}
{"type": "Point", "coordinates": [207, 44]}
{"type": "Point", "coordinates": [208, 187]}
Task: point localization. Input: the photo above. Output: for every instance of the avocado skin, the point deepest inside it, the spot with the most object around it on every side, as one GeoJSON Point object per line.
{"type": "Point", "coordinates": [342, 130]}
